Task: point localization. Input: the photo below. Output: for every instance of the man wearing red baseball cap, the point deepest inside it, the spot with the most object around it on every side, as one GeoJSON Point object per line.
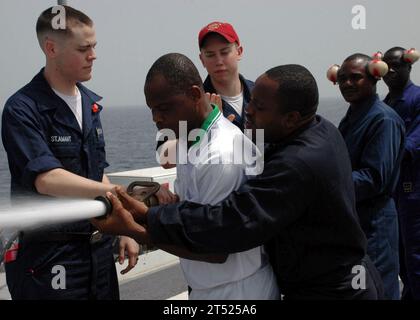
{"type": "Point", "coordinates": [220, 52]}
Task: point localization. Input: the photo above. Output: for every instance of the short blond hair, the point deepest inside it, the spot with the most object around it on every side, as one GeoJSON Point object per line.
{"type": "Point", "coordinates": [73, 18]}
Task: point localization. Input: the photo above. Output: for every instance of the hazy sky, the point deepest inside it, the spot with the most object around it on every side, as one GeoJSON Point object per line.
{"type": "Point", "coordinates": [133, 34]}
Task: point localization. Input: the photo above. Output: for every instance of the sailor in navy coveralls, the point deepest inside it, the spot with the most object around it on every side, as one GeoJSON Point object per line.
{"type": "Point", "coordinates": [52, 133]}
{"type": "Point", "coordinates": [374, 135]}
{"type": "Point", "coordinates": [404, 98]}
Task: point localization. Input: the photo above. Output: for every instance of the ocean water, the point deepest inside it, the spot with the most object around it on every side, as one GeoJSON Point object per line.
{"type": "Point", "coordinates": [130, 139]}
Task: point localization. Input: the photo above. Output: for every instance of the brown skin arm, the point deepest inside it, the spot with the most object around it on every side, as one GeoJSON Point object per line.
{"type": "Point", "coordinates": [123, 222]}
{"type": "Point", "coordinates": [139, 212]}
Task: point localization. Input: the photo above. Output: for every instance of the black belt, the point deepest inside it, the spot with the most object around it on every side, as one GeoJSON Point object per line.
{"type": "Point", "coordinates": [91, 237]}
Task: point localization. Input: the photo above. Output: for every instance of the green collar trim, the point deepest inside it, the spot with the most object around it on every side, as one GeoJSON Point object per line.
{"type": "Point", "coordinates": [208, 122]}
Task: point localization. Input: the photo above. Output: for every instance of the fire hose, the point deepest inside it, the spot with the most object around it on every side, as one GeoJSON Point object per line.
{"type": "Point", "coordinates": [65, 211]}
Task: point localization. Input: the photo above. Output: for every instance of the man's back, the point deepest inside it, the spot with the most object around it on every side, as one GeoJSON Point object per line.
{"type": "Point", "coordinates": [323, 239]}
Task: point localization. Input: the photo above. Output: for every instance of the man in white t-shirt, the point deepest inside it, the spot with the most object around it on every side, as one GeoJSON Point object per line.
{"type": "Point", "coordinates": [208, 175]}
{"type": "Point", "coordinates": [207, 171]}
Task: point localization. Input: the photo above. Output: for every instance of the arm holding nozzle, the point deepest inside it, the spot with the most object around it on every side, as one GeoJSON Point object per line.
{"type": "Point", "coordinates": [129, 217]}
{"type": "Point", "coordinates": [62, 183]}
{"type": "Point", "coordinates": [120, 222]}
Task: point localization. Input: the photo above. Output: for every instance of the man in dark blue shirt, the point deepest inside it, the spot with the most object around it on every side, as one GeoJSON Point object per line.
{"type": "Point", "coordinates": [302, 207]}
{"type": "Point", "coordinates": [404, 98]}
{"type": "Point", "coordinates": [374, 135]}
{"type": "Point", "coordinates": [52, 133]}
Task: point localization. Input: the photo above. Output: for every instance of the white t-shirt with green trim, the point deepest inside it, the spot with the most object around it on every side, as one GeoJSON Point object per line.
{"type": "Point", "coordinates": [208, 178]}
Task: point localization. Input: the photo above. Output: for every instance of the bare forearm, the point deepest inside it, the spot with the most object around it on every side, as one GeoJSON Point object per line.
{"type": "Point", "coordinates": [59, 182]}
{"type": "Point", "coordinates": [105, 179]}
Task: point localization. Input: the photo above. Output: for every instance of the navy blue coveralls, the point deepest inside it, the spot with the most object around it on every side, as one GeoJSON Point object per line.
{"type": "Point", "coordinates": [247, 86]}
{"type": "Point", "coordinates": [41, 133]}
{"type": "Point", "coordinates": [374, 135]}
{"type": "Point", "coordinates": [407, 193]}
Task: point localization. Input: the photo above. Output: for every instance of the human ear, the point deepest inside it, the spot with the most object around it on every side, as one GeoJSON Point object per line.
{"type": "Point", "coordinates": [292, 119]}
{"type": "Point", "coordinates": [240, 51]}
{"type": "Point", "coordinates": [196, 93]}
{"type": "Point", "coordinates": [50, 48]}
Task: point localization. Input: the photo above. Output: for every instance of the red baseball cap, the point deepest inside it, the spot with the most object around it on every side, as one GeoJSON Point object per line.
{"type": "Point", "coordinates": [223, 28]}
